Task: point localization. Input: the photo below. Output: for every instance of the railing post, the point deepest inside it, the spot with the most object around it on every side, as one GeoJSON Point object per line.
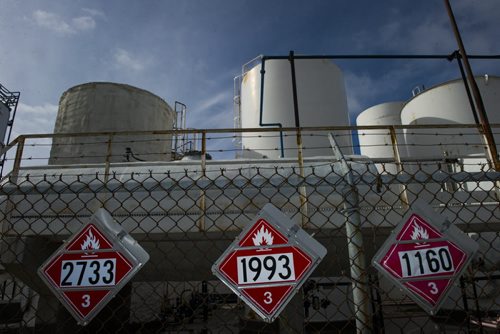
{"type": "Point", "coordinates": [300, 152]}
{"type": "Point", "coordinates": [355, 245]}
{"type": "Point", "coordinates": [201, 222]}
{"type": "Point", "coordinates": [5, 222]}
{"type": "Point", "coordinates": [108, 157]}
{"type": "Point", "coordinates": [302, 189]}
{"type": "Point", "coordinates": [19, 156]}
{"type": "Point", "coordinates": [397, 157]}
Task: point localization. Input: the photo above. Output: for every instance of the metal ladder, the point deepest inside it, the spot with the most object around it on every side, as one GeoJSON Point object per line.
{"type": "Point", "coordinates": [10, 100]}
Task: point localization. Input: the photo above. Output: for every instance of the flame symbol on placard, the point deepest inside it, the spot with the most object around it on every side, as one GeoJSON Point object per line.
{"type": "Point", "coordinates": [91, 242]}
{"type": "Point", "coordinates": [419, 233]}
{"type": "Point", "coordinates": [262, 237]}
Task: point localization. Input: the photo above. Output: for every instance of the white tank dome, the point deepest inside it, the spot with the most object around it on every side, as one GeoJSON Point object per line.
{"type": "Point", "coordinates": [448, 104]}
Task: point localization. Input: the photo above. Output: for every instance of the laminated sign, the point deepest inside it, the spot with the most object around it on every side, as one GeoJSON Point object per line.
{"type": "Point", "coordinates": [424, 256]}
{"type": "Point", "coordinates": [268, 262]}
{"type": "Point", "coordinates": [92, 266]}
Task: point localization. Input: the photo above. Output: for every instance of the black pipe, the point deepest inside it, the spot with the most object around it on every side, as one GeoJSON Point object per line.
{"type": "Point", "coordinates": [467, 89]}
{"type": "Point", "coordinates": [294, 90]}
{"type": "Point", "coordinates": [444, 57]}
{"type": "Point", "coordinates": [373, 57]}
{"type": "Point", "coordinates": [261, 112]}
{"type": "Point", "coordinates": [464, 300]}
{"type": "Point", "coordinates": [490, 140]}
{"type": "Point", "coordinates": [204, 293]}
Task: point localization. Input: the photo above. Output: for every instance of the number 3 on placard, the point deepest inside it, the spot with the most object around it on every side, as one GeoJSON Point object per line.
{"type": "Point", "coordinates": [269, 298]}
{"type": "Point", "coordinates": [434, 288]}
{"type": "Point", "coordinates": [86, 300]}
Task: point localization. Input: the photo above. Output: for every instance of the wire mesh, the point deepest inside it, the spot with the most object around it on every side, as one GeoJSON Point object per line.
{"type": "Point", "coordinates": [185, 214]}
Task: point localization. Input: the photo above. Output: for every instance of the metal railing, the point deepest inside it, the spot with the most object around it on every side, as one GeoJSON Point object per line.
{"type": "Point", "coordinates": [185, 214]}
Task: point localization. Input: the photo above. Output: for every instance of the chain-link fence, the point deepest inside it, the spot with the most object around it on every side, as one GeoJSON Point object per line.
{"type": "Point", "coordinates": [185, 214]}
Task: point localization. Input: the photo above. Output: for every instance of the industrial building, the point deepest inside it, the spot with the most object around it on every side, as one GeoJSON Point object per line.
{"type": "Point", "coordinates": [128, 151]}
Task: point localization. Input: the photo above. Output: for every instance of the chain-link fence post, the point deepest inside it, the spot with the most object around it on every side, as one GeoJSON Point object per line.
{"type": "Point", "coordinates": [359, 274]}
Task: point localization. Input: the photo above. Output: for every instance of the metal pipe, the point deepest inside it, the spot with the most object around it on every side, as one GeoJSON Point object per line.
{"type": "Point", "coordinates": [456, 54]}
{"type": "Point", "coordinates": [231, 130]}
{"type": "Point", "coordinates": [19, 155]}
{"type": "Point", "coordinates": [438, 56]}
{"type": "Point", "coordinates": [237, 109]}
{"type": "Point", "coordinates": [261, 112]}
{"type": "Point", "coordinates": [6, 222]}
{"type": "Point", "coordinates": [108, 156]}
{"type": "Point", "coordinates": [490, 140]}
{"type": "Point", "coordinates": [464, 300]}
{"type": "Point", "coordinates": [180, 125]}
{"type": "Point", "coordinates": [397, 157]}
{"type": "Point", "coordinates": [291, 59]}
{"type": "Point", "coordinates": [359, 270]}
{"type": "Point", "coordinates": [300, 153]}
{"type": "Point", "coordinates": [201, 223]}
{"type": "Point", "coordinates": [360, 291]}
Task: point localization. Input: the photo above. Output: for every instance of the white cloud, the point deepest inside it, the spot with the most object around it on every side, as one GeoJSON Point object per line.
{"type": "Point", "coordinates": [471, 13]}
{"type": "Point", "coordinates": [94, 12]}
{"type": "Point", "coordinates": [46, 109]}
{"type": "Point", "coordinates": [214, 111]}
{"type": "Point", "coordinates": [54, 22]}
{"type": "Point", "coordinates": [432, 37]}
{"type": "Point", "coordinates": [222, 97]}
{"type": "Point", "coordinates": [124, 59]}
{"type": "Point", "coordinates": [84, 23]}
{"type": "Point", "coordinates": [35, 119]}
{"type": "Point", "coordinates": [359, 88]}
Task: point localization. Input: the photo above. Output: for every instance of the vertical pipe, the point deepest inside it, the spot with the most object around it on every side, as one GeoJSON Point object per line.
{"type": "Point", "coordinates": [466, 85]}
{"type": "Point", "coordinates": [476, 302]}
{"type": "Point", "coordinates": [2, 290]}
{"type": "Point", "coordinates": [108, 157]}
{"type": "Point", "coordinates": [490, 140]}
{"type": "Point", "coordinates": [184, 126]}
{"type": "Point", "coordinates": [176, 128]}
{"type": "Point", "coordinates": [105, 196]}
{"type": "Point", "coordinates": [464, 300]}
{"type": "Point", "coordinates": [201, 222]}
{"type": "Point", "coordinates": [291, 59]}
{"type": "Point", "coordinates": [19, 156]}
{"type": "Point", "coordinates": [261, 107]}
{"type": "Point", "coordinates": [357, 262]}
{"type": "Point", "coordinates": [361, 296]}
{"type": "Point", "coordinates": [5, 223]}
{"type": "Point", "coordinates": [300, 153]}
{"type": "Point", "coordinates": [397, 157]}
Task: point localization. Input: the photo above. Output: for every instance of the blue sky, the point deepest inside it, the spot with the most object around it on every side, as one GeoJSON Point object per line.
{"type": "Point", "coordinates": [190, 50]}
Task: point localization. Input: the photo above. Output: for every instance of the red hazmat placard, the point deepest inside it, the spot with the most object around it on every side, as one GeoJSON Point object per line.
{"type": "Point", "coordinates": [424, 256]}
{"type": "Point", "coordinates": [268, 262]}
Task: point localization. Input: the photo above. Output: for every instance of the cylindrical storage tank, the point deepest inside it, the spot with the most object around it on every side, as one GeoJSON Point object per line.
{"type": "Point", "coordinates": [321, 102]}
{"type": "Point", "coordinates": [111, 107]}
{"type": "Point", "coordinates": [378, 143]}
{"type": "Point", "coordinates": [448, 104]}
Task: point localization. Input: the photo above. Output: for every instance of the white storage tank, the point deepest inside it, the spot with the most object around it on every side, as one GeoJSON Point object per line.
{"type": "Point", "coordinates": [377, 143]}
{"type": "Point", "coordinates": [321, 100]}
{"type": "Point", "coordinates": [111, 107]}
{"type": "Point", "coordinates": [448, 104]}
